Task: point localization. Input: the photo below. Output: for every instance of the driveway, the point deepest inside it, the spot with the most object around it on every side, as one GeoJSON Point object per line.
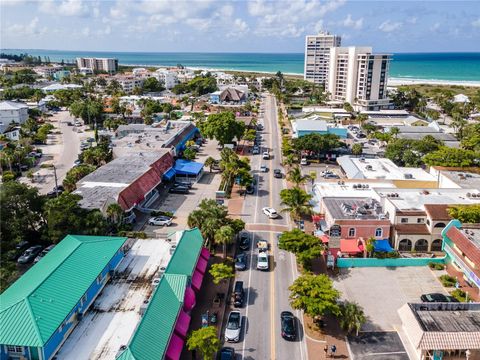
{"type": "Point", "coordinates": [382, 291]}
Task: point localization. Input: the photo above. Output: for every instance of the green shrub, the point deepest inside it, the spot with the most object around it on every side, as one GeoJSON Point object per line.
{"type": "Point", "coordinates": [436, 266]}
{"type": "Point", "coordinates": [448, 281]}
{"type": "Point", "coordinates": [46, 166]}
{"type": "Point", "coordinates": [386, 255]}
{"type": "Point", "coordinates": [460, 295]}
{"type": "Point", "coordinates": [8, 176]}
{"type": "Point", "coordinates": [133, 234]}
{"type": "Point", "coordinates": [162, 213]}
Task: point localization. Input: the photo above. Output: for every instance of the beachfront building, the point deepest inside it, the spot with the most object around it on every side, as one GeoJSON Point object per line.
{"type": "Point", "coordinates": [12, 112]}
{"type": "Point", "coordinates": [461, 243]}
{"type": "Point", "coordinates": [442, 330]}
{"type": "Point", "coordinates": [108, 65]}
{"type": "Point", "coordinates": [317, 56]}
{"type": "Point", "coordinates": [359, 77]}
{"type": "Point", "coordinates": [40, 310]}
{"type": "Point", "coordinates": [47, 71]}
{"type": "Point", "coordinates": [168, 78]}
{"type": "Point", "coordinates": [128, 83]}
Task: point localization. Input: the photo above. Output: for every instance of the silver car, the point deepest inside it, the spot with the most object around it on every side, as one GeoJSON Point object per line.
{"type": "Point", "coordinates": [234, 327]}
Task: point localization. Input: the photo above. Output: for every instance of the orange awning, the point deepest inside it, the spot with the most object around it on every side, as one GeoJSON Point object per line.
{"type": "Point", "coordinates": [350, 246]}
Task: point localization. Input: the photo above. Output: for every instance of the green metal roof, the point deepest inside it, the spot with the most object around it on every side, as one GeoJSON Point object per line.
{"type": "Point", "coordinates": [33, 307]}
{"type": "Point", "coordinates": [152, 336]}
{"type": "Point", "coordinates": [184, 259]}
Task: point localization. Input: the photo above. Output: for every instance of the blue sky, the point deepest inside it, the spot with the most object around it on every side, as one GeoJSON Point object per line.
{"type": "Point", "coordinates": [237, 26]}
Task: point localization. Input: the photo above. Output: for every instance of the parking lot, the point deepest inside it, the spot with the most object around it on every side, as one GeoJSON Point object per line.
{"type": "Point", "coordinates": [382, 291]}
{"type": "Point", "coordinates": [377, 345]}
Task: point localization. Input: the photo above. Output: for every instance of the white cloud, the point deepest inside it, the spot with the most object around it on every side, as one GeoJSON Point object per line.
{"type": "Point", "coordinates": [319, 26]}
{"type": "Point", "coordinates": [412, 20]}
{"type": "Point", "coordinates": [11, 2]}
{"type": "Point", "coordinates": [389, 26]}
{"type": "Point", "coordinates": [64, 8]}
{"type": "Point", "coordinates": [476, 23]}
{"type": "Point", "coordinates": [30, 29]}
{"type": "Point", "coordinates": [435, 27]}
{"type": "Point", "coordinates": [238, 28]}
{"type": "Point", "coordinates": [354, 24]}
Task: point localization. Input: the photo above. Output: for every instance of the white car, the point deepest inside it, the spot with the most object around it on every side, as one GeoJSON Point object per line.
{"type": "Point", "coordinates": [270, 212]}
{"type": "Point", "coordinates": [303, 161]}
{"type": "Point", "coordinates": [263, 168]}
{"type": "Point", "coordinates": [234, 327]}
{"type": "Point", "coordinates": [160, 221]}
{"type": "Point", "coordinates": [262, 261]}
{"type": "Point", "coordinates": [265, 155]}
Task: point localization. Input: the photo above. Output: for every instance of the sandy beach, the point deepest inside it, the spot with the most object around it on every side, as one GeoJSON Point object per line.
{"type": "Point", "coordinates": [404, 81]}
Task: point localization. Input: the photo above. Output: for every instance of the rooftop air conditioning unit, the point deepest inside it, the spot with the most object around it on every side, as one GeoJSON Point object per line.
{"type": "Point", "coordinates": [143, 307]}
{"type": "Point", "coordinates": [408, 176]}
{"type": "Point", "coordinates": [172, 249]}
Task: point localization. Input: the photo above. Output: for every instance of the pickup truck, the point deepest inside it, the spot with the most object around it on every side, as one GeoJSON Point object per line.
{"type": "Point", "coordinates": [262, 245]}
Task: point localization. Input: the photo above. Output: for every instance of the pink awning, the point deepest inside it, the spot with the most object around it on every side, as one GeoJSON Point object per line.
{"type": "Point", "coordinates": [205, 253]}
{"type": "Point", "coordinates": [189, 299]}
{"type": "Point", "coordinates": [202, 265]}
{"type": "Point", "coordinates": [325, 239]}
{"type": "Point", "coordinates": [175, 347]}
{"type": "Point", "coordinates": [197, 279]}
{"type": "Point", "coordinates": [349, 246]}
{"type": "Point", "coordinates": [183, 322]}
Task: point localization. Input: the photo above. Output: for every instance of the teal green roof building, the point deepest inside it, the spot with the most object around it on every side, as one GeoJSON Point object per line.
{"type": "Point", "coordinates": [41, 306]}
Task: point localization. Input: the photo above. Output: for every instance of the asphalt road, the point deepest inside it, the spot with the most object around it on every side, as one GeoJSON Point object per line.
{"type": "Point", "coordinates": [267, 291]}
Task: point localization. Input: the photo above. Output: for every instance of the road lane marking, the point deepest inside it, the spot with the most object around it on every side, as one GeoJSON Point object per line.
{"type": "Point", "coordinates": [272, 307]}
{"type": "Point", "coordinates": [248, 296]}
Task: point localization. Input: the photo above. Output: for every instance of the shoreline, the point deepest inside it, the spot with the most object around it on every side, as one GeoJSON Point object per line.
{"type": "Point", "coordinates": [392, 81]}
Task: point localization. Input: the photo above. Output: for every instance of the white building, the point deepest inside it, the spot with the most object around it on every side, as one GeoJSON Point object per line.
{"type": "Point", "coordinates": [317, 56]}
{"type": "Point", "coordinates": [108, 65]}
{"type": "Point", "coordinates": [128, 83]}
{"type": "Point", "coordinates": [47, 71]}
{"type": "Point", "coordinates": [168, 78]}
{"type": "Point", "coordinates": [357, 76]}
{"type": "Point", "coordinates": [85, 71]}
{"type": "Point", "coordinates": [12, 112]}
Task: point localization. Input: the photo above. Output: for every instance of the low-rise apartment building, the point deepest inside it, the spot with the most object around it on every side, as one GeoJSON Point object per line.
{"type": "Point", "coordinates": [129, 83]}
{"type": "Point", "coordinates": [47, 71]}
{"type": "Point", "coordinates": [12, 112]}
{"type": "Point", "coordinates": [314, 125]}
{"type": "Point", "coordinates": [108, 65]}
{"type": "Point", "coordinates": [168, 78]}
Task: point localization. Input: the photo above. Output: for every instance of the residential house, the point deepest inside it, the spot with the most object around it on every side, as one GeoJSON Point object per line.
{"type": "Point", "coordinates": [61, 74]}
{"type": "Point", "coordinates": [41, 309]}
{"type": "Point", "coordinates": [230, 95]}
{"type": "Point", "coordinates": [314, 125]}
{"type": "Point", "coordinates": [12, 112]}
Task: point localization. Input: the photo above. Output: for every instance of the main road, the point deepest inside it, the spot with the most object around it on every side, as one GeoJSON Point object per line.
{"type": "Point", "coordinates": [267, 291]}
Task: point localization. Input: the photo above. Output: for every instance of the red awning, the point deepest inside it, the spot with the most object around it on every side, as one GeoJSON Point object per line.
{"type": "Point", "coordinates": [205, 253]}
{"type": "Point", "coordinates": [175, 347]}
{"type": "Point", "coordinates": [202, 265]}
{"type": "Point", "coordinates": [183, 323]}
{"type": "Point", "coordinates": [324, 239]}
{"type": "Point", "coordinates": [316, 218]}
{"type": "Point", "coordinates": [197, 279]}
{"type": "Point", "coordinates": [189, 299]}
{"type": "Point", "coordinates": [349, 246]}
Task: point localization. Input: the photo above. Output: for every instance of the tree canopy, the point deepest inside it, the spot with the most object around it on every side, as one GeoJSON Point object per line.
{"type": "Point", "coordinates": [316, 143]}
{"type": "Point", "coordinates": [199, 85]}
{"type": "Point", "coordinates": [221, 272]}
{"type": "Point", "coordinates": [465, 213]}
{"type": "Point", "coordinates": [222, 127]}
{"type": "Point", "coordinates": [406, 152]}
{"type": "Point", "coordinates": [204, 340]}
{"type": "Point", "coordinates": [296, 202]}
{"type": "Point", "coordinates": [447, 156]}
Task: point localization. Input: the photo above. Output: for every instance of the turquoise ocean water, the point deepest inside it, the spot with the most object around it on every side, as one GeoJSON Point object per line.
{"type": "Point", "coordinates": [430, 66]}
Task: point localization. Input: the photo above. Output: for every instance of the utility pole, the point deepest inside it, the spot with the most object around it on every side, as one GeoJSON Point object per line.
{"type": "Point", "coordinates": [56, 183]}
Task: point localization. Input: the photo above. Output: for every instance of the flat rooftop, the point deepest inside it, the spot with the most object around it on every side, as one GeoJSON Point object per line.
{"type": "Point", "coordinates": [380, 168]}
{"type": "Point", "coordinates": [415, 199]}
{"type": "Point", "coordinates": [473, 234]}
{"type": "Point", "coordinates": [464, 179]}
{"type": "Point", "coordinates": [353, 208]}
{"type": "Point", "coordinates": [114, 316]}
{"type": "Point", "coordinates": [458, 317]}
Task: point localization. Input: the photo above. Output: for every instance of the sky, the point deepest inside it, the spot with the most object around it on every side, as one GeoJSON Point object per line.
{"type": "Point", "coordinates": [237, 26]}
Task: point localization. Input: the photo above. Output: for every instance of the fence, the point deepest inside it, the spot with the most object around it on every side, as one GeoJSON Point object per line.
{"type": "Point", "coordinates": [373, 262]}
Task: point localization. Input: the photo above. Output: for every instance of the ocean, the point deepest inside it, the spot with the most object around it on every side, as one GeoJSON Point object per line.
{"type": "Point", "coordinates": [426, 66]}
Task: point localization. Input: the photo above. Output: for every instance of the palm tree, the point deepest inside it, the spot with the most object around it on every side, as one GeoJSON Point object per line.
{"type": "Point", "coordinates": [352, 317]}
{"type": "Point", "coordinates": [209, 162]}
{"type": "Point", "coordinates": [224, 236]}
{"type": "Point", "coordinates": [295, 176]}
{"type": "Point", "coordinates": [297, 202]}
{"type": "Point", "coordinates": [394, 131]}
{"type": "Point", "coordinates": [114, 213]}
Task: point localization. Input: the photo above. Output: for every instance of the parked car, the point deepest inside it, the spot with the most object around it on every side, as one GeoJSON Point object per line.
{"type": "Point", "coordinates": [54, 193]}
{"type": "Point", "coordinates": [241, 262]}
{"type": "Point", "coordinates": [238, 294]}
{"type": "Point", "coordinates": [250, 189]}
{"type": "Point", "coordinates": [77, 162]}
{"type": "Point", "coordinates": [259, 127]}
{"type": "Point", "coordinates": [256, 150]}
{"type": "Point", "coordinates": [270, 212]}
{"type": "Point", "coordinates": [234, 327]}
{"type": "Point", "coordinates": [19, 249]}
{"type": "Point", "coordinates": [29, 254]}
{"type": "Point", "coordinates": [331, 176]}
{"type": "Point", "coordinates": [160, 221]}
{"type": "Point", "coordinates": [277, 173]}
{"type": "Point", "coordinates": [266, 155]}
{"type": "Point", "coordinates": [59, 188]}
{"type": "Point", "coordinates": [436, 297]}
{"type": "Point", "coordinates": [303, 161]}
{"type": "Point", "coordinates": [289, 330]}
{"type": "Point", "coordinates": [244, 242]}
{"type": "Point", "coordinates": [262, 261]}
{"type": "Point", "coordinates": [227, 353]}
{"type": "Point", "coordinates": [43, 253]}
{"type": "Point", "coordinates": [264, 168]}
{"type": "Point", "coordinates": [179, 190]}
{"type": "Point", "coordinates": [183, 183]}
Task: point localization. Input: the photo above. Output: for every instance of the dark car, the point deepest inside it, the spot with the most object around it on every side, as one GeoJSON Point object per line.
{"type": "Point", "coordinates": [238, 294]}
{"type": "Point", "coordinates": [58, 188]}
{"type": "Point", "coordinates": [241, 262]}
{"type": "Point", "coordinates": [289, 330]}
{"type": "Point", "coordinates": [179, 190]}
{"type": "Point", "coordinates": [54, 193]}
{"type": "Point", "coordinates": [250, 189]}
{"type": "Point", "coordinates": [227, 353]}
{"type": "Point", "coordinates": [434, 297]}
{"type": "Point", "coordinates": [187, 184]}
{"type": "Point", "coordinates": [43, 253]}
{"type": "Point", "coordinates": [277, 173]}
{"type": "Point", "coordinates": [244, 242]}
{"type": "Point", "coordinates": [29, 254]}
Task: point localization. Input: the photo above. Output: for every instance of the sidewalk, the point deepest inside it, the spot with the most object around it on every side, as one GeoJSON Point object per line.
{"type": "Point", "coordinates": [472, 293]}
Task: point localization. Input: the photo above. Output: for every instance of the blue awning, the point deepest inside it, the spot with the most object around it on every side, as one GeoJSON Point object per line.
{"type": "Point", "coordinates": [382, 246]}
{"type": "Point", "coordinates": [169, 174]}
{"type": "Point", "coordinates": [189, 168]}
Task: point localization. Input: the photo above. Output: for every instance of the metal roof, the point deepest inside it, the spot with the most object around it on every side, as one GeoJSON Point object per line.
{"type": "Point", "coordinates": [33, 308]}
{"type": "Point", "coordinates": [186, 255]}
